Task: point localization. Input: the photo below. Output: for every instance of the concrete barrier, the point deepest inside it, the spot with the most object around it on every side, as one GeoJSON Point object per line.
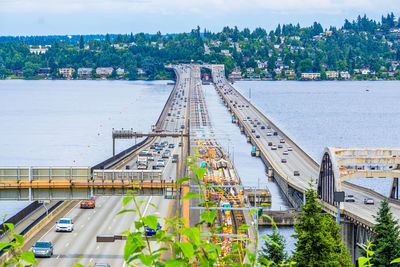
{"type": "Point", "coordinates": [35, 229]}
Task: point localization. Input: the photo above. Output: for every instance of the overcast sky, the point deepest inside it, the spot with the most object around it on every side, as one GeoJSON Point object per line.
{"type": "Point", "coordinates": [44, 17]}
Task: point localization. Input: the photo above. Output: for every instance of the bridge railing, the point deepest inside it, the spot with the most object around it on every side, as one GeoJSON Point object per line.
{"type": "Point", "coordinates": [127, 175]}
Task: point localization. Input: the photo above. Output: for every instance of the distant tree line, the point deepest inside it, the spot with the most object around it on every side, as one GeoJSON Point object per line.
{"type": "Point", "coordinates": [361, 43]}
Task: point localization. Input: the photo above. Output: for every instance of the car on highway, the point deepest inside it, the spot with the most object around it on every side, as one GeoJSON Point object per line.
{"type": "Point", "coordinates": [283, 160]}
{"type": "Point", "coordinates": [285, 152]}
{"type": "Point", "coordinates": [349, 198]}
{"type": "Point", "coordinates": [101, 264]}
{"type": "Point", "coordinates": [150, 157]}
{"type": "Point", "coordinates": [151, 232]}
{"type": "Point", "coordinates": [273, 147]}
{"type": "Point", "coordinates": [174, 159]}
{"type": "Point", "coordinates": [180, 144]}
{"type": "Point", "coordinates": [65, 225]}
{"type": "Point", "coordinates": [161, 163]}
{"type": "Point", "coordinates": [171, 145]}
{"type": "Point", "coordinates": [296, 173]}
{"type": "Point", "coordinates": [268, 127]}
{"type": "Point", "coordinates": [255, 125]}
{"type": "Point", "coordinates": [369, 201]}
{"type": "Point", "coordinates": [253, 131]}
{"type": "Point", "coordinates": [262, 127]}
{"type": "Point", "coordinates": [257, 136]}
{"type": "Point", "coordinates": [43, 249]}
{"type": "Point", "coordinates": [282, 141]}
{"type": "Point", "coordinates": [258, 123]}
{"type": "Point", "coordinates": [152, 146]}
{"type": "Point", "coordinates": [269, 143]}
{"type": "Point", "coordinates": [269, 134]}
{"type": "Point", "coordinates": [280, 146]}
{"type": "Point", "coordinates": [289, 148]}
{"type": "Point", "coordinates": [89, 203]}
{"type": "Point", "coordinates": [275, 133]}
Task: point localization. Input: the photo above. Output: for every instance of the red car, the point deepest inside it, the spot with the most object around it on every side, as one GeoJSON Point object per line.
{"type": "Point", "coordinates": [88, 204]}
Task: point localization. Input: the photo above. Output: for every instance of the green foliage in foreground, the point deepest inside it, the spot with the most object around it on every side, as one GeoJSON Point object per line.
{"type": "Point", "coordinates": [14, 246]}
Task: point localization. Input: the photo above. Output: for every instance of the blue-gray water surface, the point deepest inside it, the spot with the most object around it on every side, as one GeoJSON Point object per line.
{"type": "Point", "coordinates": [68, 123]}
{"type": "Point", "coordinates": [63, 123]}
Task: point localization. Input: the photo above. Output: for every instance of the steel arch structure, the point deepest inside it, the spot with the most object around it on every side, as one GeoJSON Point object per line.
{"type": "Point", "coordinates": [342, 164]}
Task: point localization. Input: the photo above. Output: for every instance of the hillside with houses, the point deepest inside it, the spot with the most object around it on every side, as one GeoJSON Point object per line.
{"type": "Point", "coordinates": [362, 49]}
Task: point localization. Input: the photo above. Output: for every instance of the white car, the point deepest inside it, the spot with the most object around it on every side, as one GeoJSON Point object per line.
{"type": "Point", "coordinates": [161, 163]}
{"type": "Point", "coordinates": [65, 225]}
{"type": "Point", "coordinates": [289, 148]}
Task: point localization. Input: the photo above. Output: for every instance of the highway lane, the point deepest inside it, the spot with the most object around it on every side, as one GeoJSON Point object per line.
{"type": "Point", "coordinates": [103, 219]}
{"type": "Point", "coordinates": [295, 159]}
{"type": "Point", "coordinates": [173, 123]}
{"type": "Point", "coordinates": [100, 221]}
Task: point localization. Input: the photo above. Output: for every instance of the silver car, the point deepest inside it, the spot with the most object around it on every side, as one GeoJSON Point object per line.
{"type": "Point", "coordinates": [43, 249]}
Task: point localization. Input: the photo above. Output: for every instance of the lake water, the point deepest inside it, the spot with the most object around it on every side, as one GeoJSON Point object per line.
{"type": "Point", "coordinates": [64, 123]}
{"type": "Point", "coordinates": [67, 123]}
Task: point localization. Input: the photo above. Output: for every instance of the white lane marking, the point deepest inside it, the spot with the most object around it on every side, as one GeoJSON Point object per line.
{"type": "Point", "coordinates": [88, 218]}
{"type": "Point", "coordinates": [54, 225]}
{"type": "Point", "coordinates": [109, 227]}
{"type": "Point", "coordinates": [58, 256]}
{"type": "Point", "coordinates": [83, 225]}
{"type": "Point", "coordinates": [66, 245]}
{"type": "Point", "coordinates": [97, 247]}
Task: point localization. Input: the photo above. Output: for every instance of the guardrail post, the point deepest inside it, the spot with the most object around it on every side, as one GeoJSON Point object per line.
{"type": "Point", "coordinates": [30, 181]}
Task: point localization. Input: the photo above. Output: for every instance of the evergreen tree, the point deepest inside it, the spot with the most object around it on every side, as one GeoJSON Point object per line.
{"type": "Point", "coordinates": [318, 236]}
{"type": "Point", "coordinates": [81, 43]}
{"type": "Point", "coordinates": [274, 252]}
{"type": "Point", "coordinates": [386, 240]}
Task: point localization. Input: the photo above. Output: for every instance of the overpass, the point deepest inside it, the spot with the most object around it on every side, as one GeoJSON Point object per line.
{"type": "Point", "coordinates": [293, 169]}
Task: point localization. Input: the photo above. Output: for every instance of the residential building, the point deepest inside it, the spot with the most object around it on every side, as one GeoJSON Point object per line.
{"type": "Point", "coordinates": [365, 71]}
{"type": "Point", "coordinates": [66, 72]}
{"type": "Point", "coordinates": [141, 71]}
{"type": "Point", "coordinates": [44, 71]}
{"type": "Point", "coordinates": [225, 52]}
{"type": "Point", "coordinates": [18, 73]}
{"type": "Point", "coordinates": [289, 72]}
{"type": "Point", "coordinates": [235, 75]}
{"type": "Point", "coordinates": [268, 76]}
{"type": "Point", "coordinates": [206, 50]}
{"type": "Point", "coordinates": [345, 75]}
{"type": "Point", "coordinates": [38, 49]}
{"type": "Point", "coordinates": [120, 71]}
{"type": "Point", "coordinates": [278, 71]}
{"type": "Point", "coordinates": [85, 72]}
{"type": "Point", "coordinates": [104, 71]}
{"type": "Point", "coordinates": [250, 70]}
{"type": "Point", "coordinates": [253, 76]}
{"type": "Point", "coordinates": [310, 75]}
{"type": "Point", "coordinates": [332, 74]}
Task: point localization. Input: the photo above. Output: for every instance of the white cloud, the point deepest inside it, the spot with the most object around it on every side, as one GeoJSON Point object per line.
{"type": "Point", "coordinates": [169, 7]}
